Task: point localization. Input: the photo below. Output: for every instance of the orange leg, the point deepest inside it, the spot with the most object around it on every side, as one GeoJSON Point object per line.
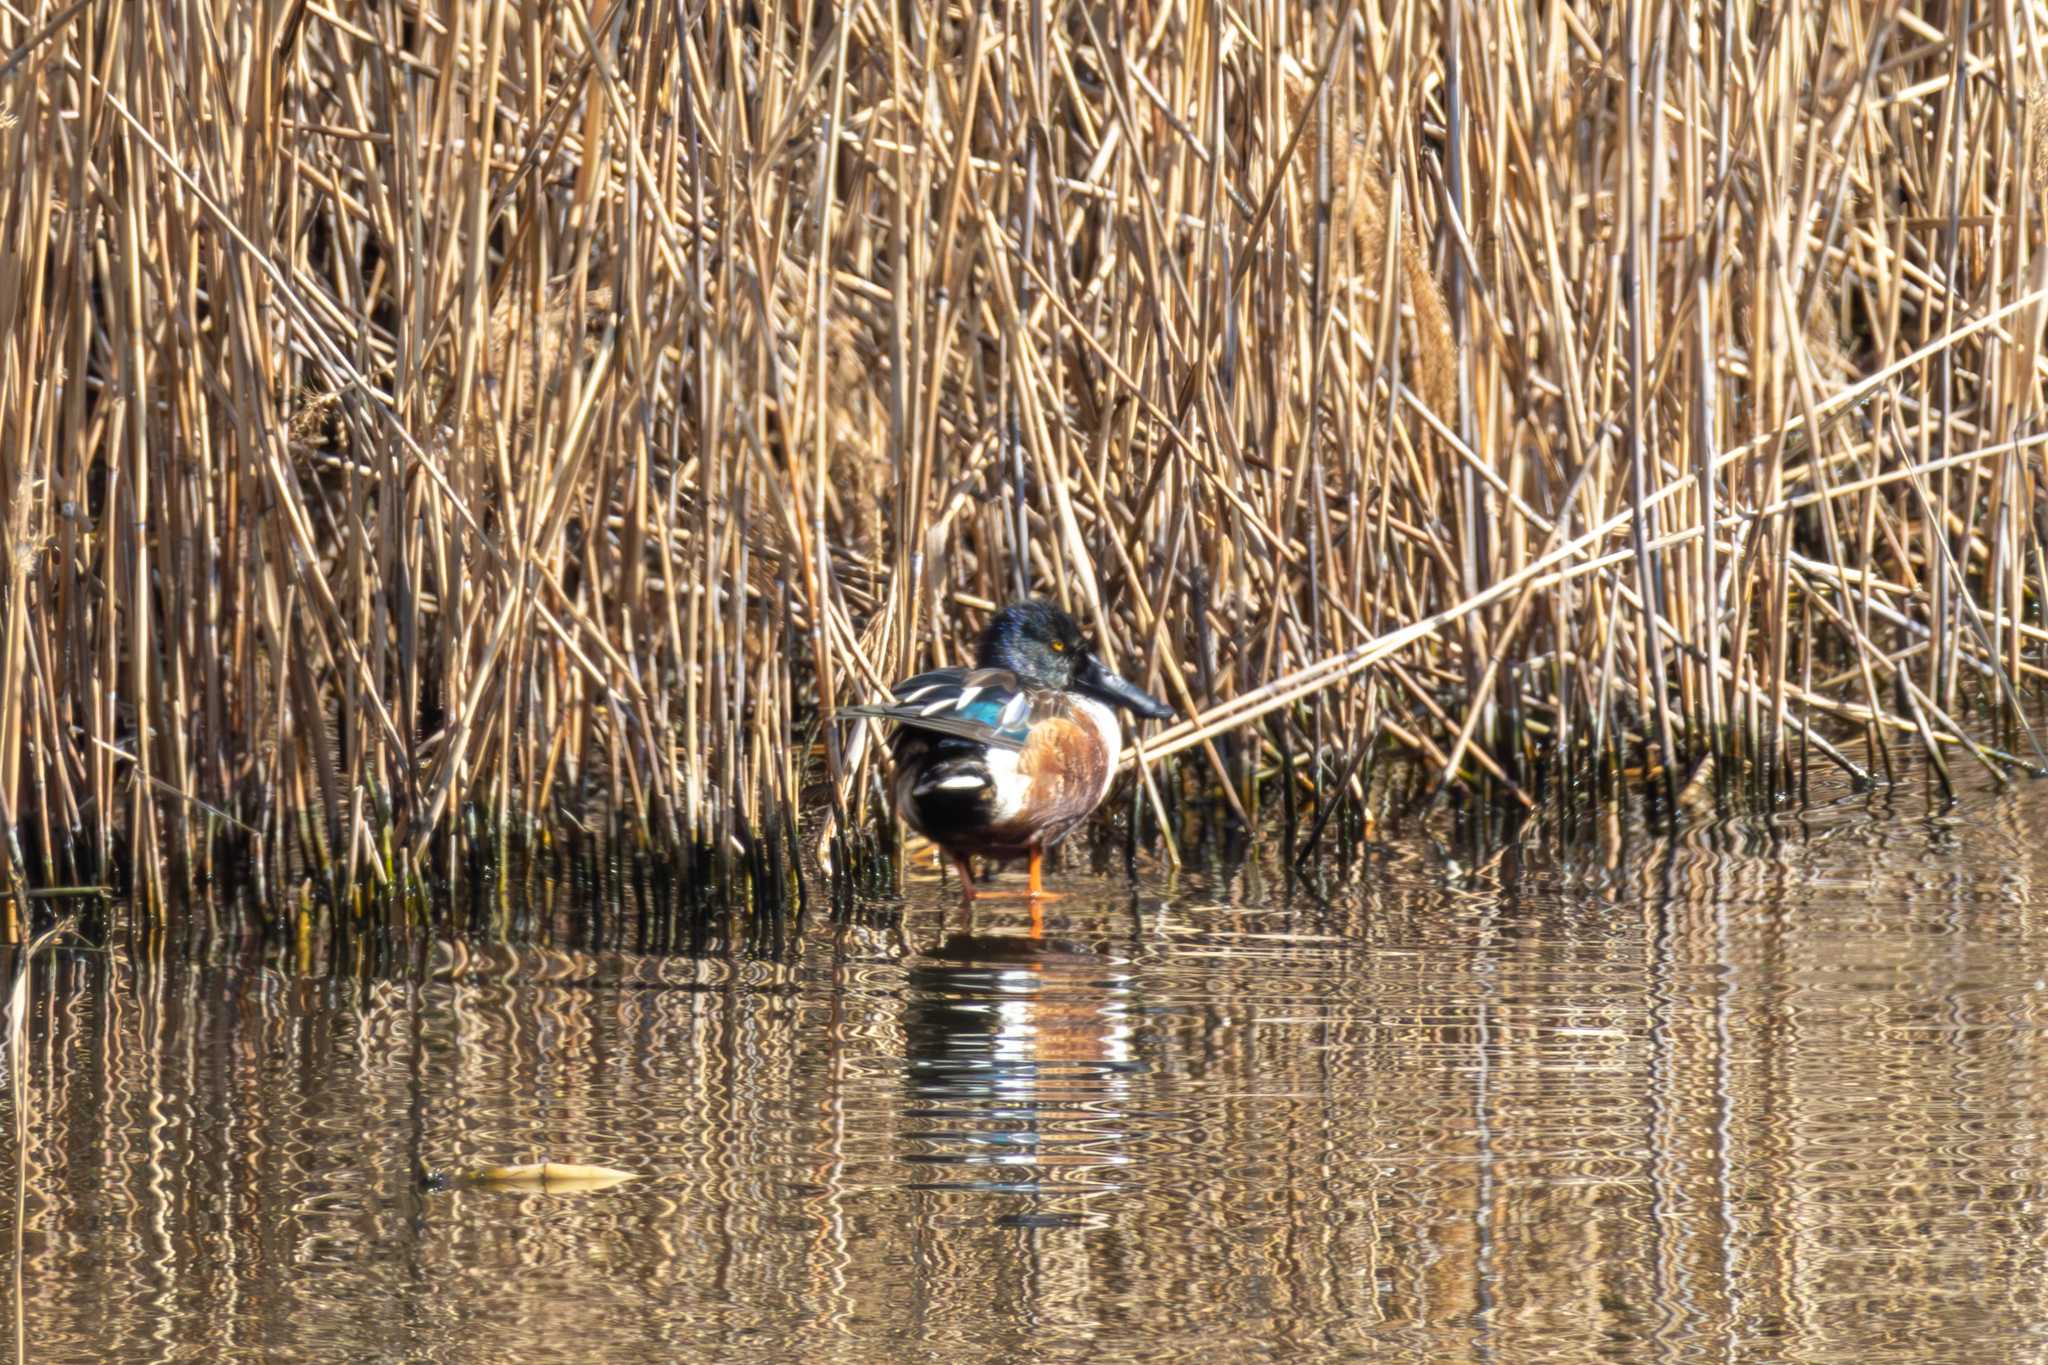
{"type": "Point", "coordinates": [1039, 895]}
{"type": "Point", "coordinates": [1038, 891]}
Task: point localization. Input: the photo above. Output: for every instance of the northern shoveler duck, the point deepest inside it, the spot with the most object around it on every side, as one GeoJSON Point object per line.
{"type": "Point", "coordinates": [1004, 759]}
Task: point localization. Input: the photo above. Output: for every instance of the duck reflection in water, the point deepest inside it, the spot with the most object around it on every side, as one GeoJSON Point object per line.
{"type": "Point", "coordinates": [1020, 1057]}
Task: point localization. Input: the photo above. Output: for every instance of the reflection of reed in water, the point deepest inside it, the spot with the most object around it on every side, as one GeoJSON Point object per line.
{"type": "Point", "coordinates": [1020, 1052]}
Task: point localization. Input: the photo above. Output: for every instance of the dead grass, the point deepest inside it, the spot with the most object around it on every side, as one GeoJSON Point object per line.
{"type": "Point", "coordinates": [547, 411]}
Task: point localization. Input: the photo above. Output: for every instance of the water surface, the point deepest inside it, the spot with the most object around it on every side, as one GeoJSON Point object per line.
{"type": "Point", "coordinates": [1763, 1091]}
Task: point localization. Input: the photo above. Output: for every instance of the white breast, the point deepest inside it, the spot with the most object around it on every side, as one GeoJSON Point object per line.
{"type": "Point", "coordinates": [1012, 785]}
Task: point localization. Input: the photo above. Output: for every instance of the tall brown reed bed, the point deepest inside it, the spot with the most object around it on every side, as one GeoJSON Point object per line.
{"type": "Point", "coordinates": [422, 425]}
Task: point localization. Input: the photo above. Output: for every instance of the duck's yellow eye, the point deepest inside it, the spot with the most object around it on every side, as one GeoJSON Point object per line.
{"type": "Point", "coordinates": [1058, 647]}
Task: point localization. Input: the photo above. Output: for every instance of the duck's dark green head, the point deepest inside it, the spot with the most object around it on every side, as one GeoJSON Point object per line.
{"type": "Point", "coordinates": [1042, 645]}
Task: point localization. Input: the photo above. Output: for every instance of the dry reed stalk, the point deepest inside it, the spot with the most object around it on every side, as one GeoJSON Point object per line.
{"type": "Point", "coordinates": [423, 426]}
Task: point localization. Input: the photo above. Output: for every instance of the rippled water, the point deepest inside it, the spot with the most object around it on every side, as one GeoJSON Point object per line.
{"type": "Point", "coordinates": [1768, 1091]}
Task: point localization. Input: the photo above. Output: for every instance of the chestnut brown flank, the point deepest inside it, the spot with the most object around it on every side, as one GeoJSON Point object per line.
{"type": "Point", "coordinates": [1066, 766]}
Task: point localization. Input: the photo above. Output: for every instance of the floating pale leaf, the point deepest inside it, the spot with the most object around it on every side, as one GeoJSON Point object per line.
{"type": "Point", "coordinates": [547, 1175]}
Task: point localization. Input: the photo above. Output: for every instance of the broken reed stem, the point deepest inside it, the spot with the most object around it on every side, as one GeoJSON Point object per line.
{"type": "Point", "coordinates": [496, 415]}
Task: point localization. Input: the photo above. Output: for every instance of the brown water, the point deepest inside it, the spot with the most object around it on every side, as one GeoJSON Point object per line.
{"type": "Point", "coordinates": [1770, 1091]}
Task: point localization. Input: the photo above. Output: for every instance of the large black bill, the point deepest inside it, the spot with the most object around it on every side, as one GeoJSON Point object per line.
{"type": "Point", "coordinates": [1122, 692]}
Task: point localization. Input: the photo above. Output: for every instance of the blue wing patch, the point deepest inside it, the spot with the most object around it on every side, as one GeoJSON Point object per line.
{"type": "Point", "coordinates": [987, 705]}
{"type": "Point", "coordinates": [986, 711]}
